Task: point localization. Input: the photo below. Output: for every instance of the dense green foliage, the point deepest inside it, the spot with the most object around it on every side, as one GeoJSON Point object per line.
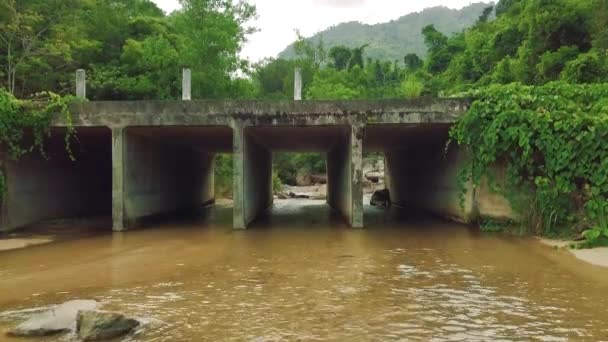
{"type": "Point", "coordinates": [24, 125]}
{"type": "Point", "coordinates": [393, 40]}
{"type": "Point", "coordinates": [552, 140]}
{"type": "Point", "coordinates": [130, 48]}
{"type": "Point", "coordinates": [532, 42]}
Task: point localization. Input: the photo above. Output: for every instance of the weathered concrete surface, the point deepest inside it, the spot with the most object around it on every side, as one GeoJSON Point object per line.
{"type": "Point", "coordinates": [146, 136]}
{"type": "Point", "coordinates": [159, 177]}
{"type": "Point", "coordinates": [419, 173]}
{"type": "Point", "coordinates": [342, 145]}
{"type": "Point", "coordinates": [345, 177]}
{"type": "Point", "coordinates": [252, 177]}
{"type": "Point", "coordinates": [202, 113]}
{"type": "Point", "coordinates": [55, 187]}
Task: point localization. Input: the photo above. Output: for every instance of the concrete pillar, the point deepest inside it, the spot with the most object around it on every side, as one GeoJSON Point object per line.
{"type": "Point", "coordinates": [118, 179]}
{"type": "Point", "coordinates": [81, 84]}
{"type": "Point", "coordinates": [356, 150]}
{"type": "Point", "coordinates": [252, 190]}
{"type": "Point", "coordinates": [345, 177]}
{"type": "Point", "coordinates": [297, 85]}
{"type": "Point", "coordinates": [186, 84]}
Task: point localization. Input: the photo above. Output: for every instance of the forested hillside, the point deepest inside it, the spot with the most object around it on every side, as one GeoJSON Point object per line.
{"type": "Point", "coordinates": [393, 40]}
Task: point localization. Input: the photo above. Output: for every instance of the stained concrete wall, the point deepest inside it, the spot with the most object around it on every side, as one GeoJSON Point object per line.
{"type": "Point", "coordinates": [427, 178]}
{"type": "Point", "coordinates": [345, 177]}
{"type": "Point", "coordinates": [155, 178]}
{"type": "Point", "coordinates": [252, 177]}
{"type": "Point", "coordinates": [56, 187]}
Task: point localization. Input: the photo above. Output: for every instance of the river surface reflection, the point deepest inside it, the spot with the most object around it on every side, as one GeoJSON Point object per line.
{"type": "Point", "coordinates": [302, 275]}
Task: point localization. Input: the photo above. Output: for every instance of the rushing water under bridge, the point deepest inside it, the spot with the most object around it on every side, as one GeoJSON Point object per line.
{"type": "Point", "coordinates": [142, 159]}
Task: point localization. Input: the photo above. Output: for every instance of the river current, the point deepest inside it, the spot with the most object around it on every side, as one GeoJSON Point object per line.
{"type": "Point", "coordinates": [303, 275]}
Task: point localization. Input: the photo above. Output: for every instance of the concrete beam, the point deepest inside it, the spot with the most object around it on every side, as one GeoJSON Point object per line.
{"type": "Point", "coordinates": [304, 113]}
{"type": "Point", "coordinates": [252, 190]}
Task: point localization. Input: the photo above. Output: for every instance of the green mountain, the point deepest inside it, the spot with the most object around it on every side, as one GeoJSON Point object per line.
{"type": "Point", "coordinates": [393, 40]}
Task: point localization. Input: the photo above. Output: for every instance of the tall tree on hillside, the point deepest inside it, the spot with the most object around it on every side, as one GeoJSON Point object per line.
{"type": "Point", "coordinates": [357, 56]}
{"type": "Point", "coordinates": [412, 62]}
{"type": "Point", "coordinates": [341, 56]}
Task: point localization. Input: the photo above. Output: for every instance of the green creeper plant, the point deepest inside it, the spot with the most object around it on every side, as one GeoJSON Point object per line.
{"type": "Point", "coordinates": [553, 140]}
{"type": "Point", "coordinates": [25, 124]}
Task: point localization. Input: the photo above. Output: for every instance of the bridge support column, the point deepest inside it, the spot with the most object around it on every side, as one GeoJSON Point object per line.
{"type": "Point", "coordinates": [153, 179]}
{"type": "Point", "coordinates": [252, 177]}
{"type": "Point", "coordinates": [118, 179]}
{"type": "Point", "coordinates": [345, 177]}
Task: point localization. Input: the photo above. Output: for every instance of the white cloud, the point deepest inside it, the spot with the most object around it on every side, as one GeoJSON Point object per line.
{"type": "Point", "coordinates": [278, 19]}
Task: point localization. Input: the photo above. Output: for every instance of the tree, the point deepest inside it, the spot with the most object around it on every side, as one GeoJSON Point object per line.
{"type": "Point", "coordinates": [341, 56]}
{"type": "Point", "coordinates": [413, 62]}
{"type": "Point", "coordinates": [485, 15]}
{"type": "Point", "coordinates": [357, 56]}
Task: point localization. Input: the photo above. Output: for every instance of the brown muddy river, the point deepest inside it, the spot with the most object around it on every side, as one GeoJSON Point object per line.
{"type": "Point", "coordinates": [304, 276]}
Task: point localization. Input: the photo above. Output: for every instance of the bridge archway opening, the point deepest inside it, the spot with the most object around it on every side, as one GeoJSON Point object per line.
{"type": "Point", "coordinates": [420, 173]}
{"type": "Point", "coordinates": [169, 174]}
{"type": "Point", "coordinates": [314, 157]}
{"type": "Point", "coordinates": [62, 186]}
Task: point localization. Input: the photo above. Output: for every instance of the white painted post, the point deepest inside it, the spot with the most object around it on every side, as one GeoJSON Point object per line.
{"type": "Point", "coordinates": [81, 84]}
{"type": "Point", "coordinates": [186, 84]}
{"type": "Point", "coordinates": [297, 85]}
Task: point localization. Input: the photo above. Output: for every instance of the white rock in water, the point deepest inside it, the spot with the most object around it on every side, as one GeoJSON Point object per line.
{"type": "Point", "coordinates": [61, 318]}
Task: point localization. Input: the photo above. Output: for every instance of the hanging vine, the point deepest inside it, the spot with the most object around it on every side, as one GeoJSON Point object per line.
{"type": "Point", "coordinates": [553, 140]}
{"type": "Point", "coordinates": [25, 124]}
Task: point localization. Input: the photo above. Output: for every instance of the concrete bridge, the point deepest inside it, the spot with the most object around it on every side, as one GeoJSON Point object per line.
{"type": "Point", "coordinates": [138, 160]}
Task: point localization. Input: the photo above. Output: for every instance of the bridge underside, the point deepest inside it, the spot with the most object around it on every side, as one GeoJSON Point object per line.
{"type": "Point", "coordinates": [53, 186]}
{"type": "Point", "coordinates": [420, 169]}
{"type": "Point", "coordinates": [253, 167]}
{"type": "Point", "coordinates": [141, 160]}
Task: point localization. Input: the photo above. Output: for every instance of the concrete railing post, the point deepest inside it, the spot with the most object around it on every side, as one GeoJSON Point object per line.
{"type": "Point", "coordinates": [297, 85]}
{"type": "Point", "coordinates": [186, 84]}
{"type": "Point", "coordinates": [81, 84]}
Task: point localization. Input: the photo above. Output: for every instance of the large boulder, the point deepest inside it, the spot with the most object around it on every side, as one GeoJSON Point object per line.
{"type": "Point", "coordinates": [381, 198]}
{"type": "Point", "coordinates": [100, 325]}
{"type": "Point", "coordinates": [319, 178]}
{"type": "Point", "coordinates": [59, 319]}
{"type": "Point", "coordinates": [304, 180]}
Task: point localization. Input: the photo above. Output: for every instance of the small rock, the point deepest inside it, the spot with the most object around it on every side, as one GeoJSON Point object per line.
{"type": "Point", "coordinates": [59, 319]}
{"type": "Point", "coordinates": [301, 196]}
{"type": "Point", "coordinates": [381, 198]}
{"type": "Point", "coordinates": [98, 325]}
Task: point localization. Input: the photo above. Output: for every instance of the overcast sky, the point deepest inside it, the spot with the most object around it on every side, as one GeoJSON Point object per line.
{"type": "Point", "coordinates": [278, 19]}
